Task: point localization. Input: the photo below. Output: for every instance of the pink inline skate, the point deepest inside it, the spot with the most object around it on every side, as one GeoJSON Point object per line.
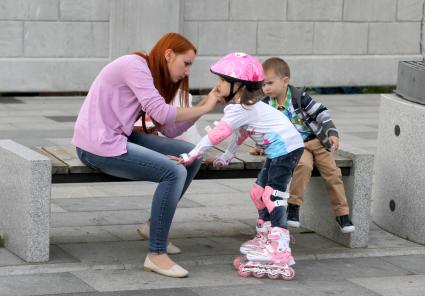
{"type": "Point", "coordinates": [258, 242]}
{"type": "Point", "coordinates": [274, 260]}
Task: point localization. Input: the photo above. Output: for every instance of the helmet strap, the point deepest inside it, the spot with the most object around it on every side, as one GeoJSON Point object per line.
{"type": "Point", "coordinates": [232, 93]}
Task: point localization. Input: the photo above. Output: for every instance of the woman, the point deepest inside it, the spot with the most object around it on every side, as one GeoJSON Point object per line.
{"type": "Point", "coordinates": [105, 141]}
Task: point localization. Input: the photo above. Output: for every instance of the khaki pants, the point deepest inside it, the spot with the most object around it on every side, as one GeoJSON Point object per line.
{"type": "Point", "coordinates": [315, 153]}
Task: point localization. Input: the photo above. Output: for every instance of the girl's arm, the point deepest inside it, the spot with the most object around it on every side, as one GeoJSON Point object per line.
{"type": "Point", "coordinates": [234, 117]}
{"type": "Point", "coordinates": [238, 137]}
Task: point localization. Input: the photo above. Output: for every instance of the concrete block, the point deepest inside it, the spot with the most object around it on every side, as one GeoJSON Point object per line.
{"type": "Point", "coordinates": [311, 10]}
{"type": "Point", "coordinates": [190, 31]}
{"type": "Point", "coordinates": [66, 39]}
{"type": "Point", "coordinates": [410, 10]}
{"type": "Point", "coordinates": [131, 18]}
{"type": "Point", "coordinates": [370, 10]}
{"type": "Point", "coordinates": [258, 10]}
{"type": "Point", "coordinates": [75, 75]}
{"type": "Point", "coordinates": [322, 70]}
{"type": "Point", "coordinates": [234, 36]}
{"type": "Point", "coordinates": [398, 200]}
{"type": "Point", "coordinates": [316, 213]}
{"type": "Point", "coordinates": [207, 10]}
{"type": "Point", "coordinates": [84, 10]}
{"type": "Point", "coordinates": [394, 38]}
{"type": "Point", "coordinates": [285, 38]}
{"type": "Point", "coordinates": [25, 180]}
{"type": "Point", "coordinates": [11, 35]}
{"type": "Point", "coordinates": [29, 10]}
{"type": "Point", "coordinates": [340, 38]}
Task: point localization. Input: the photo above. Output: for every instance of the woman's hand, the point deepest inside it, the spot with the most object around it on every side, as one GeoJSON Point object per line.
{"type": "Point", "coordinates": [212, 99]}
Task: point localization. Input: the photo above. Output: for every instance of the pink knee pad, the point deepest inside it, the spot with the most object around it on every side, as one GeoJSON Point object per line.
{"type": "Point", "coordinates": [256, 193]}
{"type": "Point", "coordinates": [267, 194]}
{"type": "Point", "coordinates": [267, 198]}
{"type": "Point", "coordinates": [220, 133]}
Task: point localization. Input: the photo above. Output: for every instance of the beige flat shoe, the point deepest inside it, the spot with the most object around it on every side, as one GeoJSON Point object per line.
{"type": "Point", "coordinates": [143, 231]}
{"type": "Point", "coordinates": [175, 271]}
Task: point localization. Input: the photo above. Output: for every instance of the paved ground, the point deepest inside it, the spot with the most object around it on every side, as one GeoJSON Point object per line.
{"type": "Point", "coordinates": [95, 249]}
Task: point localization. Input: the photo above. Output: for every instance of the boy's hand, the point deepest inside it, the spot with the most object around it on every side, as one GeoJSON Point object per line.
{"type": "Point", "coordinates": [257, 151]}
{"type": "Point", "coordinates": [335, 143]}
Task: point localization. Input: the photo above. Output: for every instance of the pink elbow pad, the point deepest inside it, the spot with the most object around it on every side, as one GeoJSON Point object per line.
{"type": "Point", "coordinates": [220, 133]}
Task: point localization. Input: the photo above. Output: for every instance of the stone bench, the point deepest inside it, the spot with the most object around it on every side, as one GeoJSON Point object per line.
{"type": "Point", "coordinates": [26, 176]}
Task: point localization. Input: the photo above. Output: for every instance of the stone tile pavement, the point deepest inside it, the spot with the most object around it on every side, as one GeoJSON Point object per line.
{"type": "Point", "coordinates": [96, 251]}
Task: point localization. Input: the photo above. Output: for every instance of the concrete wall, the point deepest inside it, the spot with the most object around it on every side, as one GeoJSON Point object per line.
{"type": "Point", "coordinates": [60, 45]}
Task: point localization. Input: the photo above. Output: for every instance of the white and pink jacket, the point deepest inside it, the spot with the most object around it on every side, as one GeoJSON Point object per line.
{"type": "Point", "coordinates": [267, 126]}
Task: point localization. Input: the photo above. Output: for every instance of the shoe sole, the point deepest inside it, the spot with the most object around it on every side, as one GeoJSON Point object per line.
{"type": "Point", "coordinates": [347, 229]}
{"type": "Point", "coordinates": [293, 224]}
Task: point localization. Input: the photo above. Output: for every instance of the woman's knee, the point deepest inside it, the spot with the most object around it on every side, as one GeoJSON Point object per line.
{"type": "Point", "coordinates": [174, 172]}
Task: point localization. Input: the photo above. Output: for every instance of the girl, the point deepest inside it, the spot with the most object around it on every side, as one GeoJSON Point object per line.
{"type": "Point", "coordinates": [241, 77]}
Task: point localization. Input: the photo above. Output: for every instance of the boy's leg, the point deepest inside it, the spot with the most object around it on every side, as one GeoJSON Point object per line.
{"type": "Point", "coordinates": [301, 177]}
{"type": "Point", "coordinates": [325, 163]}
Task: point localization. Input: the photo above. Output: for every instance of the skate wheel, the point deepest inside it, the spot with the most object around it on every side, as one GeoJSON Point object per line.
{"type": "Point", "coordinates": [243, 273]}
{"type": "Point", "coordinates": [237, 262]}
{"type": "Point", "coordinates": [259, 275]}
{"type": "Point", "coordinates": [273, 276]}
{"type": "Point", "coordinates": [288, 274]}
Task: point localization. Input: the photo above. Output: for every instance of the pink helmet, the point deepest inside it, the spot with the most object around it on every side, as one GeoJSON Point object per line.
{"type": "Point", "coordinates": [240, 67]}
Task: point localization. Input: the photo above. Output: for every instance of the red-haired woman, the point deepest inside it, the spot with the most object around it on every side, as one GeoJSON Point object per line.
{"type": "Point", "coordinates": [104, 138]}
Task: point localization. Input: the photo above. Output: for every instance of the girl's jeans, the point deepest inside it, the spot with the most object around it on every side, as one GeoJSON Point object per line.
{"type": "Point", "coordinates": [146, 160]}
{"type": "Point", "coordinates": [277, 173]}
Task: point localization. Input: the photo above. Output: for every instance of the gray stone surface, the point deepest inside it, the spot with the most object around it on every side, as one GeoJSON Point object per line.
{"type": "Point", "coordinates": [394, 38]}
{"type": "Point", "coordinates": [25, 178]}
{"type": "Point", "coordinates": [86, 34]}
{"type": "Point", "coordinates": [209, 10]}
{"type": "Point", "coordinates": [311, 10]}
{"type": "Point", "coordinates": [76, 76]}
{"type": "Point", "coordinates": [138, 24]}
{"type": "Point", "coordinates": [118, 280]}
{"type": "Point", "coordinates": [41, 284]}
{"type": "Point", "coordinates": [410, 10]}
{"type": "Point", "coordinates": [316, 214]}
{"type": "Point", "coordinates": [297, 39]}
{"type": "Point", "coordinates": [370, 10]}
{"type": "Point", "coordinates": [258, 10]}
{"type": "Point", "coordinates": [398, 200]}
{"type": "Point", "coordinates": [29, 10]}
{"type": "Point", "coordinates": [340, 38]}
{"type": "Point", "coordinates": [235, 36]}
{"type": "Point", "coordinates": [84, 10]}
{"type": "Point", "coordinates": [412, 285]}
{"type": "Point", "coordinates": [66, 39]}
{"type": "Point", "coordinates": [382, 70]}
{"type": "Point", "coordinates": [11, 38]}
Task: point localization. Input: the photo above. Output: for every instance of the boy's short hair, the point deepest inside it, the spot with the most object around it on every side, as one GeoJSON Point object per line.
{"type": "Point", "coordinates": [278, 65]}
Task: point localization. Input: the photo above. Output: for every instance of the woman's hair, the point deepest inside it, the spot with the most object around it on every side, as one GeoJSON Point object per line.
{"type": "Point", "coordinates": [159, 68]}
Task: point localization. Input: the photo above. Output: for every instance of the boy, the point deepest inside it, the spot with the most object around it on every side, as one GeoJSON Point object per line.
{"type": "Point", "coordinates": [320, 136]}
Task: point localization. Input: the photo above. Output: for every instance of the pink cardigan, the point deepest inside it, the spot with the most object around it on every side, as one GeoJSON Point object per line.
{"type": "Point", "coordinates": [121, 90]}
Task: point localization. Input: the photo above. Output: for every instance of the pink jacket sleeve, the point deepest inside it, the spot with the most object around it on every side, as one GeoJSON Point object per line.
{"type": "Point", "coordinates": [139, 79]}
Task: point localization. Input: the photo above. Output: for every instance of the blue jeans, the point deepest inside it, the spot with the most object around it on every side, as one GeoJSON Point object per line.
{"type": "Point", "coordinates": [276, 173]}
{"type": "Point", "coordinates": [146, 160]}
